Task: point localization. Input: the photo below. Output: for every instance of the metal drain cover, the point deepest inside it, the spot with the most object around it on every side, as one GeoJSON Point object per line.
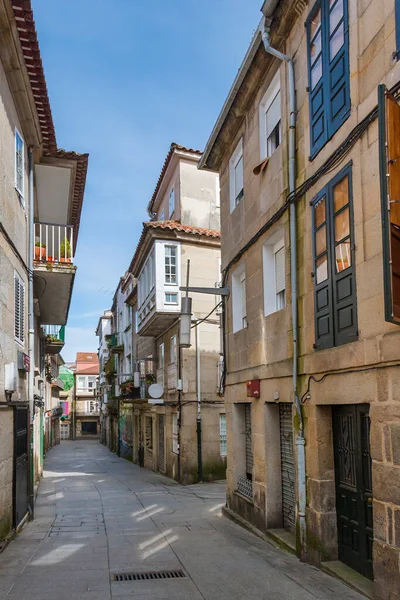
{"type": "Point", "coordinates": [148, 575]}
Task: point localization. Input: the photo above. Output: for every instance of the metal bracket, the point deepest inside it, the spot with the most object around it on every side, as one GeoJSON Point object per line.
{"type": "Point", "coordinates": [215, 291]}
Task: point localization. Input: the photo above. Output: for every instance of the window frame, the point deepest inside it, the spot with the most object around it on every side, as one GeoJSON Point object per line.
{"type": "Point", "coordinates": [161, 217]}
{"type": "Point", "coordinates": [171, 205]}
{"type": "Point", "coordinates": [330, 286]}
{"type": "Point", "coordinates": [270, 247]}
{"type": "Point", "coordinates": [222, 434]}
{"type": "Point", "coordinates": [173, 349]}
{"type": "Point", "coordinates": [171, 302]}
{"type": "Point", "coordinates": [320, 96]}
{"type": "Point", "coordinates": [19, 328]}
{"type": "Point", "coordinates": [175, 249]}
{"type": "Point", "coordinates": [268, 99]}
{"type": "Point", "coordinates": [239, 311]}
{"type": "Point", "coordinates": [175, 433]}
{"type": "Point", "coordinates": [20, 190]}
{"type": "Point", "coordinates": [236, 198]}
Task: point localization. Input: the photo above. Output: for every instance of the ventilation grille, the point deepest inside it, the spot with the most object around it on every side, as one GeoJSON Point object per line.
{"type": "Point", "coordinates": [148, 575]}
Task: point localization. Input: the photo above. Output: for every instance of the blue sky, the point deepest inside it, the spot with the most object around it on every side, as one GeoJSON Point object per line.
{"type": "Point", "coordinates": [125, 79]}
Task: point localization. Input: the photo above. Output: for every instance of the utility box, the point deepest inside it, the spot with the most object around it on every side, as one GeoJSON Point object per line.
{"type": "Point", "coordinates": [10, 377]}
{"type": "Point", "coordinates": [253, 388]}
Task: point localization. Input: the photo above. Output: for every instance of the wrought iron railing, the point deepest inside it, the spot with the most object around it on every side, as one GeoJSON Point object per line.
{"type": "Point", "coordinates": [245, 487]}
{"type": "Point", "coordinates": [54, 243]}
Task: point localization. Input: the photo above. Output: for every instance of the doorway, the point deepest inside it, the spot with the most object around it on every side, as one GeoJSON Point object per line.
{"type": "Point", "coordinates": [353, 480]}
{"type": "Point", "coordinates": [64, 431]}
{"type": "Point", "coordinates": [287, 467]}
{"type": "Point", "coordinates": [20, 464]}
{"type": "Point", "coordinates": [161, 443]}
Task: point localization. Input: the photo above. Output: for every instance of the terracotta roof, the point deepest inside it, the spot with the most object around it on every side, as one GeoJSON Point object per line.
{"type": "Point", "coordinates": [87, 357]}
{"type": "Point", "coordinates": [167, 160]}
{"type": "Point", "coordinates": [30, 48]}
{"type": "Point", "coordinates": [92, 370]}
{"type": "Point", "coordinates": [172, 226]}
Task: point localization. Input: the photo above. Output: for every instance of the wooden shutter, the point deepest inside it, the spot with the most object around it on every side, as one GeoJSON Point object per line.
{"type": "Point", "coordinates": [316, 59]}
{"type": "Point", "coordinates": [389, 159]}
{"type": "Point", "coordinates": [343, 258]}
{"type": "Point", "coordinates": [323, 301]}
{"type": "Point", "coordinates": [338, 76]}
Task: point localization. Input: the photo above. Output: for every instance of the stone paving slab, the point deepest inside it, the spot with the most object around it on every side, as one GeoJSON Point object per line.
{"type": "Point", "coordinates": [97, 515]}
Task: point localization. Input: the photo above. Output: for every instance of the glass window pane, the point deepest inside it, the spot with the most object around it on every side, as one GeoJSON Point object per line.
{"type": "Point", "coordinates": [343, 256]}
{"type": "Point", "coordinates": [239, 177]}
{"type": "Point", "coordinates": [321, 268]}
{"type": "Point", "coordinates": [337, 41]}
{"type": "Point", "coordinates": [320, 241]}
{"type": "Point", "coordinates": [320, 213]}
{"type": "Point", "coordinates": [315, 24]}
{"type": "Point", "coordinates": [341, 194]}
{"type": "Point", "coordinates": [336, 15]}
{"type": "Point", "coordinates": [315, 48]}
{"type": "Point", "coordinates": [316, 72]}
{"type": "Point", "coordinates": [342, 225]}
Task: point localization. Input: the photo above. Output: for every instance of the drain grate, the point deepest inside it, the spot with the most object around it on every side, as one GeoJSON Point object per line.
{"type": "Point", "coordinates": [148, 575]}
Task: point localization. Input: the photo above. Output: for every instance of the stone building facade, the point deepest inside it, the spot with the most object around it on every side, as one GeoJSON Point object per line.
{"type": "Point", "coordinates": [344, 504]}
{"type": "Point", "coordinates": [86, 410]}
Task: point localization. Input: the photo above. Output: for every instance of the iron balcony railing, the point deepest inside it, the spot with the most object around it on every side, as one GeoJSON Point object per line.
{"type": "Point", "coordinates": [54, 332]}
{"type": "Point", "coordinates": [54, 243]}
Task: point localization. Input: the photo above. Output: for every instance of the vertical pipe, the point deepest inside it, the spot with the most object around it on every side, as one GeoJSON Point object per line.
{"type": "Point", "coordinates": [31, 333]}
{"type": "Point", "coordinates": [198, 391]}
{"type": "Point", "coordinates": [300, 441]}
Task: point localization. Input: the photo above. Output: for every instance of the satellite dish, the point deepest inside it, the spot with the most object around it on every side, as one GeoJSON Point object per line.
{"type": "Point", "coordinates": [156, 390]}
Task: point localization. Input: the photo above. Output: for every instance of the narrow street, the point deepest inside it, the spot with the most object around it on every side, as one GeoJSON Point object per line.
{"type": "Point", "coordinates": [98, 515]}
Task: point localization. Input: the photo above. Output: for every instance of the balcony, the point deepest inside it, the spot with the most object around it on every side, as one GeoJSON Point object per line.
{"type": "Point", "coordinates": [54, 271]}
{"type": "Point", "coordinates": [114, 343]}
{"type": "Point", "coordinates": [54, 338]}
{"type": "Point", "coordinates": [157, 313]}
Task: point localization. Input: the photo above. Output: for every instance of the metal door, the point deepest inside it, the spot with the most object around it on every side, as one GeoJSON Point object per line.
{"type": "Point", "coordinates": [161, 442]}
{"type": "Point", "coordinates": [249, 450]}
{"type": "Point", "coordinates": [353, 477]}
{"type": "Point", "coordinates": [287, 467]}
{"type": "Point", "coordinates": [20, 464]}
{"type": "Point", "coordinates": [65, 431]}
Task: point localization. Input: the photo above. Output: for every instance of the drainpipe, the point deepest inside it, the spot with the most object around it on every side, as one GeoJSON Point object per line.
{"type": "Point", "coordinates": [300, 441]}
{"type": "Point", "coordinates": [31, 333]}
{"type": "Point", "coordinates": [198, 390]}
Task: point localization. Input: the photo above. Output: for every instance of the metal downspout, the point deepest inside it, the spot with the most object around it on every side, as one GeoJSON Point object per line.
{"type": "Point", "coordinates": [198, 391]}
{"type": "Point", "coordinates": [31, 334]}
{"type": "Point", "coordinates": [300, 441]}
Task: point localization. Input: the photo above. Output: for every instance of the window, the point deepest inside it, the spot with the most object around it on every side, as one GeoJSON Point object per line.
{"type": "Point", "coordinates": [149, 434]}
{"type": "Point", "coordinates": [91, 382]}
{"type": "Point", "coordinates": [161, 217]}
{"type": "Point", "coordinates": [146, 280]}
{"type": "Point", "coordinates": [270, 119]}
{"type": "Point", "coordinates": [171, 203]}
{"type": "Point", "coordinates": [81, 383]}
{"type": "Point", "coordinates": [171, 298]}
{"type": "Point", "coordinates": [236, 176]}
{"type": "Point", "coordinates": [172, 349]}
{"type": "Point", "coordinates": [170, 264]}
{"type": "Point", "coordinates": [175, 444]}
{"type": "Point", "coordinates": [90, 407]}
{"type": "Point", "coordinates": [160, 370]}
{"type": "Point", "coordinates": [334, 276]}
{"type": "Point", "coordinates": [19, 309]}
{"type": "Point", "coordinates": [328, 70]}
{"type": "Point", "coordinates": [222, 435]}
{"type": "Point", "coordinates": [274, 274]}
{"type": "Point", "coordinates": [19, 164]}
{"type": "Point", "coordinates": [239, 299]}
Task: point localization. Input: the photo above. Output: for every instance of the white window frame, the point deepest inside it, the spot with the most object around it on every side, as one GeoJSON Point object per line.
{"type": "Point", "coordinates": [175, 248]}
{"type": "Point", "coordinates": [272, 92]}
{"type": "Point", "coordinates": [20, 189]}
{"type": "Point", "coordinates": [19, 311]}
{"type": "Point", "coordinates": [239, 308]}
{"type": "Point", "coordinates": [171, 202]}
{"type": "Point", "coordinates": [222, 434]}
{"type": "Point", "coordinates": [161, 217]}
{"type": "Point", "coordinates": [81, 387]}
{"type": "Point", "coordinates": [270, 248]}
{"type": "Point", "coordinates": [172, 349]}
{"type": "Point", "coordinates": [173, 302]}
{"type": "Point", "coordinates": [233, 162]}
{"type": "Point", "coordinates": [175, 443]}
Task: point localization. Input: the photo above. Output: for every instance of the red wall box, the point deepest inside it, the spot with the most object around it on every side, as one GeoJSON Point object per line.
{"type": "Point", "coordinates": [253, 388]}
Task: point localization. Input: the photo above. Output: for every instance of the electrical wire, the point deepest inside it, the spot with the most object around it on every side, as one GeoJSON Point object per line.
{"type": "Point", "coordinates": [311, 378]}
{"type": "Point", "coordinates": [209, 314]}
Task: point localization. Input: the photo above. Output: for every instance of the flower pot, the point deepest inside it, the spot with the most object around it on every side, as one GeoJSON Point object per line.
{"type": "Point", "coordinates": [50, 259]}
{"type": "Point", "coordinates": [39, 253]}
{"type": "Point", "coordinates": [65, 260]}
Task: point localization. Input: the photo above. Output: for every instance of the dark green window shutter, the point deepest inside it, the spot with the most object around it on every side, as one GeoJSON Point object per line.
{"type": "Point", "coordinates": [328, 70]}
{"type": "Point", "coordinates": [323, 301]}
{"type": "Point", "coordinates": [335, 301]}
{"type": "Point", "coordinates": [343, 259]}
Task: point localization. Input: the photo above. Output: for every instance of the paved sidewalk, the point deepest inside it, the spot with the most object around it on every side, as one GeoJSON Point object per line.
{"type": "Point", "coordinates": [97, 515]}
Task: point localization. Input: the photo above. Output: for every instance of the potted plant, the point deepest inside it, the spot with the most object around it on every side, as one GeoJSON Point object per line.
{"type": "Point", "coordinates": [149, 378]}
{"type": "Point", "coordinates": [40, 250]}
{"type": "Point", "coordinates": [65, 251]}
